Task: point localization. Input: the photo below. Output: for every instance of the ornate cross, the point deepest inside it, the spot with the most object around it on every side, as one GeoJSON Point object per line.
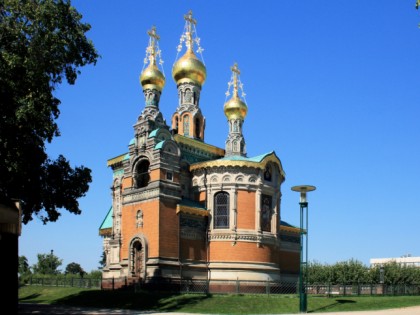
{"type": "Point", "coordinates": [188, 17]}
{"type": "Point", "coordinates": [236, 72]}
{"type": "Point", "coordinates": [151, 49]}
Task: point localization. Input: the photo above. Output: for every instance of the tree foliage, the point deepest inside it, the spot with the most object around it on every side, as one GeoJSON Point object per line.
{"type": "Point", "coordinates": [74, 269]}
{"type": "Point", "coordinates": [353, 271]}
{"type": "Point", "coordinates": [102, 262]}
{"type": "Point", "coordinates": [47, 264]}
{"type": "Point", "coordinates": [42, 42]}
{"type": "Point", "coordinates": [23, 265]}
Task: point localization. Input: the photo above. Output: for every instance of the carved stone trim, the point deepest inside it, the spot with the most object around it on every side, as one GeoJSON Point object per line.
{"type": "Point", "coordinates": [244, 237]}
{"type": "Point", "coordinates": [141, 195]}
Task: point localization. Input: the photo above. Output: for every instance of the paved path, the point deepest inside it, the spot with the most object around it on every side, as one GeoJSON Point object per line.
{"type": "Point", "coordinates": [64, 310]}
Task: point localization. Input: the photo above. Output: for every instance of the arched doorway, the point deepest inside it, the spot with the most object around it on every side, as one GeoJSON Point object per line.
{"type": "Point", "coordinates": [137, 259]}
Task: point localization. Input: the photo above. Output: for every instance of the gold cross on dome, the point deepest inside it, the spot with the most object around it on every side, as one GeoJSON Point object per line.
{"type": "Point", "coordinates": [235, 73]}
{"type": "Point", "coordinates": [188, 17]}
{"type": "Point", "coordinates": [235, 69]}
{"type": "Point", "coordinates": [152, 33]}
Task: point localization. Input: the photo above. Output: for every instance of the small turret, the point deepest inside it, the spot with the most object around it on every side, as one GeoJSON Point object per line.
{"type": "Point", "coordinates": [152, 79]}
{"type": "Point", "coordinates": [235, 110]}
{"type": "Point", "coordinates": [189, 68]}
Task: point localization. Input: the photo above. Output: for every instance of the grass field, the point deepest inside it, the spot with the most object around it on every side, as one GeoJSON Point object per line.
{"type": "Point", "coordinates": [209, 304]}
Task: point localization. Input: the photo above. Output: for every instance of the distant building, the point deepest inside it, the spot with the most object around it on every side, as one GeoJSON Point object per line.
{"type": "Point", "coordinates": [183, 208]}
{"type": "Point", "coordinates": [407, 260]}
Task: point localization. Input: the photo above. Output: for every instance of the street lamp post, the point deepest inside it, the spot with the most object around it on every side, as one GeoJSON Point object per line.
{"type": "Point", "coordinates": [382, 278]}
{"type": "Point", "coordinates": [303, 266]}
{"type": "Point", "coordinates": [51, 261]}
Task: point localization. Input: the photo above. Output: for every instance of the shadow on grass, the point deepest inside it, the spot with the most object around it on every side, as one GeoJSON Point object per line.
{"type": "Point", "coordinates": [29, 297]}
{"type": "Point", "coordinates": [337, 302]}
{"type": "Point", "coordinates": [156, 301]}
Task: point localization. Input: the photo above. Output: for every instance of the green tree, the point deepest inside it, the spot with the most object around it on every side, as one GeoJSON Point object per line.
{"type": "Point", "coordinates": [102, 262]}
{"type": "Point", "coordinates": [23, 265]}
{"type": "Point", "coordinates": [24, 270]}
{"type": "Point", "coordinates": [349, 271]}
{"type": "Point", "coordinates": [42, 42]}
{"type": "Point", "coordinates": [74, 269]}
{"type": "Point", "coordinates": [95, 274]}
{"type": "Point", "coordinates": [47, 264]}
{"type": "Point", "coordinates": [319, 273]}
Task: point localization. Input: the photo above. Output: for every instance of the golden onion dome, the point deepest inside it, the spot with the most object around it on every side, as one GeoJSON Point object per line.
{"type": "Point", "coordinates": [235, 108]}
{"type": "Point", "coordinates": [189, 68]}
{"type": "Point", "coordinates": [152, 78]}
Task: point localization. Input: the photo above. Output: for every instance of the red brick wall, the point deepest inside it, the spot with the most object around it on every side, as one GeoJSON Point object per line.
{"type": "Point", "coordinates": [168, 226]}
{"type": "Point", "coordinates": [246, 210]}
{"type": "Point", "coordinates": [150, 226]}
{"type": "Point", "coordinates": [193, 250]}
{"type": "Point", "coordinates": [242, 251]}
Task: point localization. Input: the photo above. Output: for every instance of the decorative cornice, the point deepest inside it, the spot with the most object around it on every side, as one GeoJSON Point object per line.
{"type": "Point", "coordinates": [191, 210]}
{"type": "Point", "coordinates": [289, 229]}
{"type": "Point", "coordinates": [105, 232]}
{"type": "Point", "coordinates": [240, 163]}
{"type": "Point", "coordinates": [244, 237]}
{"type": "Point", "coordinates": [115, 160]}
{"type": "Point", "coordinates": [199, 145]}
{"type": "Point", "coordinates": [142, 195]}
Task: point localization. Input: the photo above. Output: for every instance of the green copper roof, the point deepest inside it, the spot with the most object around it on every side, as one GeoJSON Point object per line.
{"type": "Point", "coordinates": [256, 159]}
{"type": "Point", "coordinates": [132, 141]}
{"type": "Point", "coordinates": [153, 133]}
{"type": "Point", "coordinates": [126, 157]}
{"type": "Point", "coordinates": [107, 222]}
{"type": "Point", "coordinates": [159, 145]}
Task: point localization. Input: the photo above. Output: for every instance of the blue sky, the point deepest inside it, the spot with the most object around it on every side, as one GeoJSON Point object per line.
{"type": "Point", "coordinates": [332, 87]}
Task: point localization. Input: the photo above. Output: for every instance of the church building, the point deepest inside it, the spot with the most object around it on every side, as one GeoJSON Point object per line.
{"type": "Point", "coordinates": [186, 209]}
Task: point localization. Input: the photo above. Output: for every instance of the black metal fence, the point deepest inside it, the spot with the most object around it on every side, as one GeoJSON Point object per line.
{"type": "Point", "coordinates": [66, 282]}
{"type": "Point", "coordinates": [277, 287]}
{"type": "Point", "coordinates": [235, 286]}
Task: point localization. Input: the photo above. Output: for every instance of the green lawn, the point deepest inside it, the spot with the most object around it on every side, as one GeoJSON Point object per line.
{"type": "Point", "coordinates": [200, 303]}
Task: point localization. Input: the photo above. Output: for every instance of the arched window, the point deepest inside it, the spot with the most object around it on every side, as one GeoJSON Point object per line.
{"type": "Point", "coordinates": [186, 126]}
{"type": "Point", "coordinates": [188, 96]}
{"type": "Point", "coordinates": [197, 127]}
{"type": "Point", "coordinates": [221, 210]}
{"type": "Point", "coordinates": [142, 174]}
{"type": "Point", "coordinates": [267, 173]}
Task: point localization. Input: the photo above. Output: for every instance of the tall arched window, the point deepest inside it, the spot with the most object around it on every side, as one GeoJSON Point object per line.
{"type": "Point", "coordinates": [176, 127]}
{"type": "Point", "coordinates": [142, 174]}
{"type": "Point", "coordinates": [186, 127]}
{"type": "Point", "coordinates": [197, 127]}
{"type": "Point", "coordinates": [221, 210]}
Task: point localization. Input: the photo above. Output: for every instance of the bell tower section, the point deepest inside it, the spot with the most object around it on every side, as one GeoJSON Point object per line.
{"type": "Point", "coordinates": [189, 73]}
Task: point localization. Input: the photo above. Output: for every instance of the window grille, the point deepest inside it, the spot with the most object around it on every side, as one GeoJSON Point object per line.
{"type": "Point", "coordinates": [221, 210]}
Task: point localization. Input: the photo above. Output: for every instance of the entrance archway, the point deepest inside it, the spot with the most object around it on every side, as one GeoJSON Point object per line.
{"type": "Point", "coordinates": [138, 257]}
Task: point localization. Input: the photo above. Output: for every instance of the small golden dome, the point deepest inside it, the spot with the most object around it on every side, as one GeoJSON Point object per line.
{"type": "Point", "coordinates": [189, 68]}
{"type": "Point", "coordinates": [152, 78]}
{"type": "Point", "coordinates": [235, 108]}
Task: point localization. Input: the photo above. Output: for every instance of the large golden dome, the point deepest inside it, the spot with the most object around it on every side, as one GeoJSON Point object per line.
{"type": "Point", "coordinates": [189, 68]}
{"type": "Point", "coordinates": [152, 78]}
{"type": "Point", "coordinates": [235, 108]}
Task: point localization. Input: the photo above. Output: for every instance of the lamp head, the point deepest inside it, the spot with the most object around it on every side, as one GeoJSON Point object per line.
{"type": "Point", "coordinates": [303, 189]}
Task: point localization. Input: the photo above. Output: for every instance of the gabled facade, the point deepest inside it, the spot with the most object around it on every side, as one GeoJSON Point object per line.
{"type": "Point", "coordinates": [182, 208]}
